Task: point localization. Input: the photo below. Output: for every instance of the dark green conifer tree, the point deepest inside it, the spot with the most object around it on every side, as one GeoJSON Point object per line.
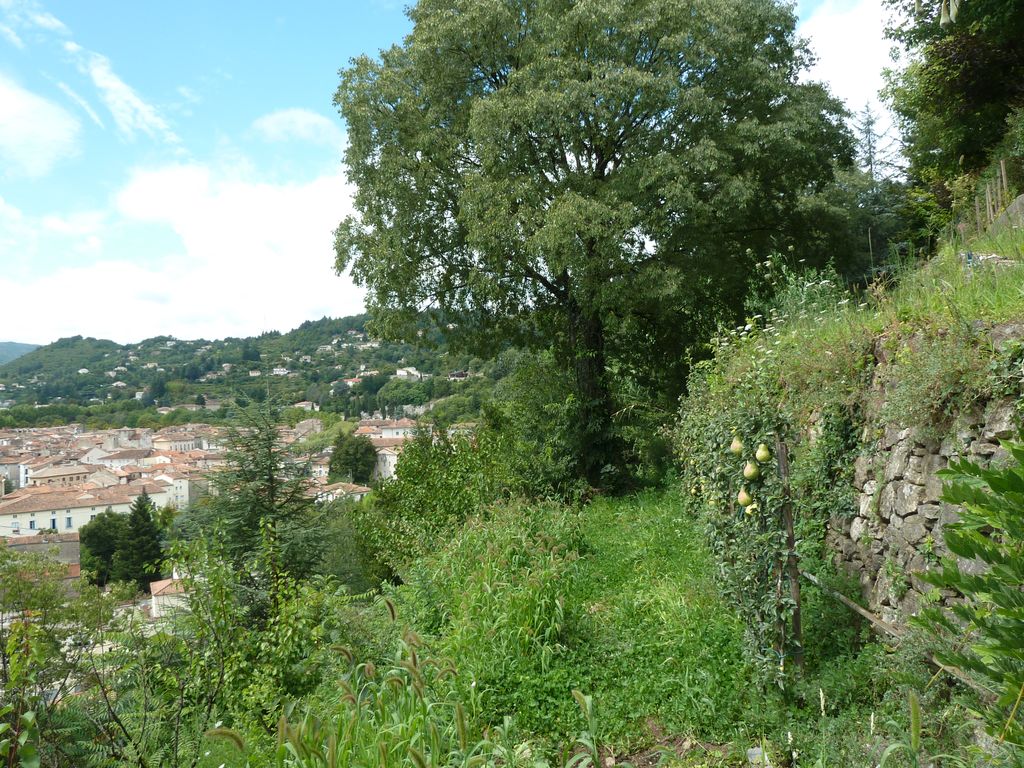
{"type": "Point", "coordinates": [139, 553]}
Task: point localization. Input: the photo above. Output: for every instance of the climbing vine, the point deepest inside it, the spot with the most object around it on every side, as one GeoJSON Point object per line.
{"type": "Point", "coordinates": [766, 457]}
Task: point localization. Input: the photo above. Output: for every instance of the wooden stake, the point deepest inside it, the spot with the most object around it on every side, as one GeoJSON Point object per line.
{"type": "Point", "coordinates": [891, 630]}
{"type": "Point", "coordinates": [792, 566]}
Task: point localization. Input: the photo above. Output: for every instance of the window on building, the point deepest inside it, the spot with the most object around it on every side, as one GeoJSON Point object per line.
{"type": "Point", "coordinates": [53, 523]}
{"type": "Point", "coordinates": [31, 525]}
{"type": "Point", "coordinates": [92, 517]}
{"type": "Point", "coordinates": [67, 522]}
{"type": "Point", "coordinates": [16, 526]}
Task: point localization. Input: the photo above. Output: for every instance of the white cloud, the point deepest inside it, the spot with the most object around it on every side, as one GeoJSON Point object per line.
{"type": "Point", "coordinates": [81, 224]}
{"type": "Point", "coordinates": [849, 40]}
{"type": "Point", "coordinates": [188, 94]}
{"type": "Point", "coordinates": [35, 133]}
{"type": "Point", "coordinates": [86, 107]}
{"type": "Point", "coordinates": [11, 36]}
{"type": "Point", "coordinates": [131, 113]}
{"type": "Point", "coordinates": [253, 257]}
{"type": "Point", "coordinates": [47, 21]}
{"type": "Point", "coordinates": [28, 14]}
{"type": "Point", "coordinates": [299, 124]}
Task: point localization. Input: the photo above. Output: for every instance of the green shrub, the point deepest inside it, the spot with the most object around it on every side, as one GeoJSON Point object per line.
{"type": "Point", "coordinates": [440, 482]}
{"type": "Point", "coordinates": [933, 378]}
{"type": "Point", "coordinates": [495, 597]}
{"type": "Point", "coordinates": [985, 631]}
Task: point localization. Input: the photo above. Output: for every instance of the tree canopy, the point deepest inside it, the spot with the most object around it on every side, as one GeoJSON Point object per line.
{"type": "Point", "coordinates": [100, 539]}
{"type": "Point", "coordinates": [353, 459]}
{"type": "Point", "coordinates": [961, 83]}
{"type": "Point", "coordinates": [139, 553]}
{"type": "Point", "coordinates": [586, 176]}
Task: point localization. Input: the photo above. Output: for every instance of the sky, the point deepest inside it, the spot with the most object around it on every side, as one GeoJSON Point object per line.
{"type": "Point", "coordinates": [175, 168]}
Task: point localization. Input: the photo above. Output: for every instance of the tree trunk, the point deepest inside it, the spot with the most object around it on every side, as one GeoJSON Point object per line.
{"type": "Point", "coordinates": [597, 444]}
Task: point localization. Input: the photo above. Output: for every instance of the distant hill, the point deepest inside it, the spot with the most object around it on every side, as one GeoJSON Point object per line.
{"type": "Point", "coordinates": [320, 361]}
{"type": "Point", "coordinates": [9, 350]}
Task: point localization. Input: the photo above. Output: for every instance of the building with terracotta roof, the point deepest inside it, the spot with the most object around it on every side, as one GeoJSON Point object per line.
{"type": "Point", "coordinates": [67, 510]}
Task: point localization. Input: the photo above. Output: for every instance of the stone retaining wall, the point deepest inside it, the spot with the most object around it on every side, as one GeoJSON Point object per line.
{"type": "Point", "coordinates": [898, 529]}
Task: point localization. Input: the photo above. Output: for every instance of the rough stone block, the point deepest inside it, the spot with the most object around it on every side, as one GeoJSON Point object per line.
{"type": "Point", "coordinates": [981, 448]}
{"type": "Point", "coordinates": [910, 604]}
{"type": "Point", "coordinates": [893, 435]}
{"type": "Point", "coordinates": [1000, 421]}
{"type": "Point", "coordinates": [857, 528]}
{"type": "Point", "coordinates": [896, 463]}
{"type": "Point", "coordinates": [929, 511]}
{"type": "Point", "coordinates": [1001, 457]}
{"type": "Point", "coordinates": [932, 482]}
{"type": "Point", "coordinates": [887, 502]}
{"type": "Point", "coordinates": [907, 498]}
{"type": "Point", "coordinates": [865, 504]}
{"type": "Point", "coordinates": [862, 470]}
{"type": "Point", "coordinates": [1006, 332]}
{"type": "Point", "coordinates": [916, 471]}
{"type": "Point", "coordinates": [914, 529]}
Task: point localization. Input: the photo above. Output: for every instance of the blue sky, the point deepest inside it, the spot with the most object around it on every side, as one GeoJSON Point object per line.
{"type": "Point", "coordinates": [175, 168]}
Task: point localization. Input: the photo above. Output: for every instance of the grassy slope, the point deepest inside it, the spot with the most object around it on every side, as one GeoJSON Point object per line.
{"type": "Point", "coordinates": [662, 643]}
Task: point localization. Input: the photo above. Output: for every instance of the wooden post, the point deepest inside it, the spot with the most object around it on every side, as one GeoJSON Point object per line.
{"type": "Point", "coordinates": [1006, 182]}
{"type": "Point", "coordinates": [988, 202]}
{"type": "Point", "coordinates": [792, 566]}
{"type": "Point", "coordinates": [885, 628]}
{"type": "Point", "coordinates": [977, 212]}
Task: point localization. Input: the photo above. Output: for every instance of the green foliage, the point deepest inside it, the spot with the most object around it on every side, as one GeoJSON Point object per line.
{"type": "Point", "coordinates": [100, 540]}
{"type": "Point", "coordinates": [9, 350]}
{"type": "Point", "coordinates": [498, 593]}
{"type": "Point", "coordinates": [617, 600]}
{"type": "Point", "coordinates": [535, 411]}
{"type": "Point", "coordinates": [935, 377]}
{"type": "Point", "coordinates": [398, 716]}
{"type": "Point", "coordinates": [441, 481]}
{"type": "Point", "coordinates": [960, 84]}
{"type": "Point", "coordinates": [597, 202]}
{"type": "Point", "coordinates": [182, 373]}
{"type": "Point", "coordinates": [762, 386]}
{"type": "Point", "coordinates": [138, 556]}
{"type": "Point", "coordinates": [346, 556]}
{"type": "Point", "coordinates": [19, 726]}
{"type": "Point", "coordinates": [397, 392]}
{"type": "Point", "coordinates": [985, 566]}
{"type": "Point", "coordinates": [263, 507]}
{"type": "Point", "coordinates": [353, 459]}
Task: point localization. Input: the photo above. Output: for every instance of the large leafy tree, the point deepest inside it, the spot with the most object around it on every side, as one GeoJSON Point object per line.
{"type": "Point", "coordinates": [353, 459]}
{"type": "Point", "coordinates": [960, 84]}
{"type": "Point", "coordinates": [581, 174]}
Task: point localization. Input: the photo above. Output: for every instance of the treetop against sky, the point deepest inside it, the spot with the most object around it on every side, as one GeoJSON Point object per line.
{"type": "Point", "coordinates": [176, 169]}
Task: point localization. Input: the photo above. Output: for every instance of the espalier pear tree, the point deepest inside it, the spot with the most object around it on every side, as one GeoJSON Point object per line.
{"type": "Point", "coordinates": [584, 175]}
